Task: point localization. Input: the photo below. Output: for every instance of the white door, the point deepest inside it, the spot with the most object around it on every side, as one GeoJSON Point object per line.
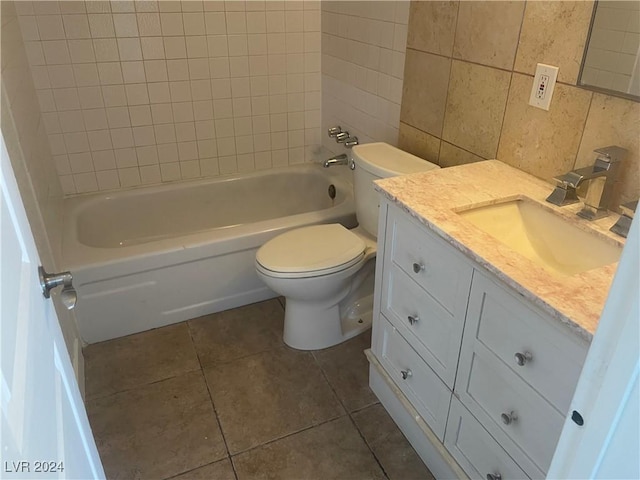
{"type": "Point", "coordinates": [45, 432]}
{"type": "Point", "coordinates": [602, 438]}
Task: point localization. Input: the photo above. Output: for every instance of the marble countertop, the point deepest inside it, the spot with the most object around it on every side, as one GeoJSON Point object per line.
{"type": "Point", "coordinates": [434, 197]}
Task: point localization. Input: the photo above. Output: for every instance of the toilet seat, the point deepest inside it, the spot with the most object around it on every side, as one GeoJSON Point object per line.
{"type": "Point", "coordinates": [310, 252]}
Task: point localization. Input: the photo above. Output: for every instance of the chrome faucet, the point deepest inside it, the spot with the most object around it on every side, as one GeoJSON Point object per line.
{"type": "Point", "coordinates": [341, 159]}
{"type": "Point", "coordinates": [601, 176]}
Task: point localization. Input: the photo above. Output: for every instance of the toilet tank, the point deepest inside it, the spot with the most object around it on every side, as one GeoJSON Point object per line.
{"type": "Point", "coordinates": [372, 162]}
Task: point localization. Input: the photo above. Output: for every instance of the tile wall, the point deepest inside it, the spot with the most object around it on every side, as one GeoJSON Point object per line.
{"type": "Point", "coordinates": [468, 75]}
{"type": "Point", "coordinates": [143, 92]}
{"type": "Point", "coordinates": [613, 48]}
{"type": "Point", "coordinates": [27, 142]}
{"type": "Point", "coordinates": [363, 55]}
{"type": "Point", "coordinates": [28, 147]}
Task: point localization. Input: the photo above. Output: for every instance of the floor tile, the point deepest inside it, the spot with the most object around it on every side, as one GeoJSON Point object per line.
{"type": "Point", "coordinates": [347, 370]}
{"type": "Point", "coordinates": [221, 470]}
{"type": "Point", "coordinates": [269, 395]}
{"type": "Point", "coordinates": [237, 333]}
{"type": "Point", "coordinates": [128, 362]}
{"type": "Point", "coordinates": [158, 430]}
{"type": "Point", "coordinates": [394, 452]}
{"type": "Point", "coordinates": [333, 450]}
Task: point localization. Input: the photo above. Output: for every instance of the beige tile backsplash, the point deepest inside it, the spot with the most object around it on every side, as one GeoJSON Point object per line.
{"type": "Point", "coordinates": [487, 32]}
{"type": "Point", "coordinates": [476, 100]}
{"type": "Point", "coordinates": [539, 142]}
{"type": "Point", "coordinates": [488, 78]}
{"type": "Point", "coordinates": [554, 33]}
{"type": "Point", "coordinates": [432, 26]}
{"type": "Point", "coordinates": [424, 107]}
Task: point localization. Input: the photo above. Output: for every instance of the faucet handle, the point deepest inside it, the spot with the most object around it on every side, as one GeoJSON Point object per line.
{"type": "Point", "coordinates": [611, 154]}
{"type": "Point", "coordinates": [621, 227]}
{"type": "Point", "coordinates": [351, 142]}
{"type": "Point", "coordinates": [629, 208]}
{"type": "Point", "coordinates": [333, 131]}
{"type": "Point", "coordinates": [342, 137]}
{"type": "Point", "coordinates": [570, 179]}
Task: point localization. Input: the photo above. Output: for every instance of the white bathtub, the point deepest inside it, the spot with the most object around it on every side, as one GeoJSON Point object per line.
{"type": "Point", "coordinates": [150, 257]}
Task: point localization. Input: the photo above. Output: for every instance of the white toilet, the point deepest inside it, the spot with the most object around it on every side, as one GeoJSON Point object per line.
{"type": "Point", "coordinates": [326, 272]}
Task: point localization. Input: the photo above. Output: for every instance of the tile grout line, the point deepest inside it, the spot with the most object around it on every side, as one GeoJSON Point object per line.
{"type": "Point", "coordinates": [368, 446]}
{"type": "Point", "coordinates": [290, 434]}
{"type": "Point", "coordinates": [213, 405]}
{"type": "Point", "coordinates": [136, 387]}
{"type": "Point", "coordinates": [349, 414]}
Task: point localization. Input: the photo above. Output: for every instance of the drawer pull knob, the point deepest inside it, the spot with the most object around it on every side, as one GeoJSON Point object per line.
{"type": "Point", "coordinates": [523, 358]}
{"type": "Point", "coordinates": [406, 373]}
{"type": "Point", "coordinates": [413, 320]}
{"type": "Point", "coordinates": [418, 267]}
{"type": "Point", "coordinates": [509, 418]}
{"type": "Point", "coordinates": [494, 476]}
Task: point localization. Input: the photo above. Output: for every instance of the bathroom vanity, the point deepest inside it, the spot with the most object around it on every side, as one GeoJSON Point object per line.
{"type": "Point", "coordinates": [478, 343]}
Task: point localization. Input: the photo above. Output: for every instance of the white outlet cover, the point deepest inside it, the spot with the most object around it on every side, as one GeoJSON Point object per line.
{"type": "Point", "coordinates": [544, 83]}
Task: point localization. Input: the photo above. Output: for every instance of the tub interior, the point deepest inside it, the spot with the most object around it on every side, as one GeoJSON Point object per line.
{"type": "Point", "coordinates": [150, 214]}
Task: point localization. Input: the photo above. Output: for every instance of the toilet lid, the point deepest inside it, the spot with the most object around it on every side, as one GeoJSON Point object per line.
{"type": "Point", "coordinates": [311, 249]}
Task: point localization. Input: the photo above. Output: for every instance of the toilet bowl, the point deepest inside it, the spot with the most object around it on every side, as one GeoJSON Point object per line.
{"type": "Point", "coordinates": [316, 269]}
{"type": "Point", "coordinates": [326, 272]}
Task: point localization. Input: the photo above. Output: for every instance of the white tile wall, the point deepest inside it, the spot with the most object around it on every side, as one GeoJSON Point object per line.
{"type": "Point", "coordinates": [23, 132]}
{"type": "Point", "coordinates": [363, 53]}
{"type": "Point", "coordinates": [613, 48]}
{"type": "Point", "coordinates": [141, 92]}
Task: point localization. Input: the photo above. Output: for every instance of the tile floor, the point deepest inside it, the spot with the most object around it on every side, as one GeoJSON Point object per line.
{"type": "Point", "coordinates": [221, 397]}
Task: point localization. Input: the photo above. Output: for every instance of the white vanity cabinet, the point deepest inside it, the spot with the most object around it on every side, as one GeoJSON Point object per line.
{"type": "Point", "coordinates": [480, 375]}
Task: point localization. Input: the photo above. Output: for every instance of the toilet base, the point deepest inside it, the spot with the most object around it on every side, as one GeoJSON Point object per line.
{"type": "Point", "coordinates": [314, 326]}
{"type": "Point", "coordinates": [331, 328]}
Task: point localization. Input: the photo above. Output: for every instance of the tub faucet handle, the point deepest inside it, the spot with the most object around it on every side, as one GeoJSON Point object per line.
{"type": "Point", "coordinates": [351, 142]}
{"type": "Point", "coordinates": [342, 137]}
{"type": "Point", "coordinates": [333, 131]}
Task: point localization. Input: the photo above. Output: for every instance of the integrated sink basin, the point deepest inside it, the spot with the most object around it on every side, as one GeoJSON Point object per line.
{"type": "Point", "coordinates": [543, 236]}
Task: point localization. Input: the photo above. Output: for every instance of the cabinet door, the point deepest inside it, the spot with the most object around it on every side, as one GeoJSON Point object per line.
{"type": "Point", "coordinates": [477, 452]}
{"type": "Point", "coordinates": [535, 348]}
{"type": "Point", "coordinates": [429, 261]}
{"type": "Point", "coordinates": [433, 332]}
{"type": "Point", "coordinates": [516, 368]}
{"type": "Point", "coordinates": [422, 387]}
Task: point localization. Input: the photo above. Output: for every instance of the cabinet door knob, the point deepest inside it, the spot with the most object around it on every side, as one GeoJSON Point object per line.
{"type": "Point", "coordinates": [413, 319]}
{"type": "Point", "coordinates": [418, 267]}
{"type": "Point", "coordinates": [494, 476]}
{"type": "Point", "coordinates": [522, 358]}
{"type": "Point", "coordinates": [509, 418]}
{"type": "Point", "coordinates": [406, 373]}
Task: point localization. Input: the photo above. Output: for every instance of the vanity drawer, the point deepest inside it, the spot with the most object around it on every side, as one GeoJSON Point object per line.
{"type": "Point", "coordinates": [432, 331]}
{"type": "Point", "coordinates": [503, 402]}
{"type": "Point", "coordinates": [477, 452]}
{"type": "Point", "coordinates": [429, 261]}
{"type": "Point", "coordinates": [422, 387]}
{"type": "Point", "coordinates": [542, 354]}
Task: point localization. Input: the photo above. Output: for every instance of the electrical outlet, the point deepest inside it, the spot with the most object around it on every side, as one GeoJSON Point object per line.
{"type": "Point", "coordinates": [543, 85]}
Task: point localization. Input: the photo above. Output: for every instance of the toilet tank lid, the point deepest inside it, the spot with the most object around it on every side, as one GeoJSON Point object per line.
{"type": "Point", "coordinates": [384, 160]}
